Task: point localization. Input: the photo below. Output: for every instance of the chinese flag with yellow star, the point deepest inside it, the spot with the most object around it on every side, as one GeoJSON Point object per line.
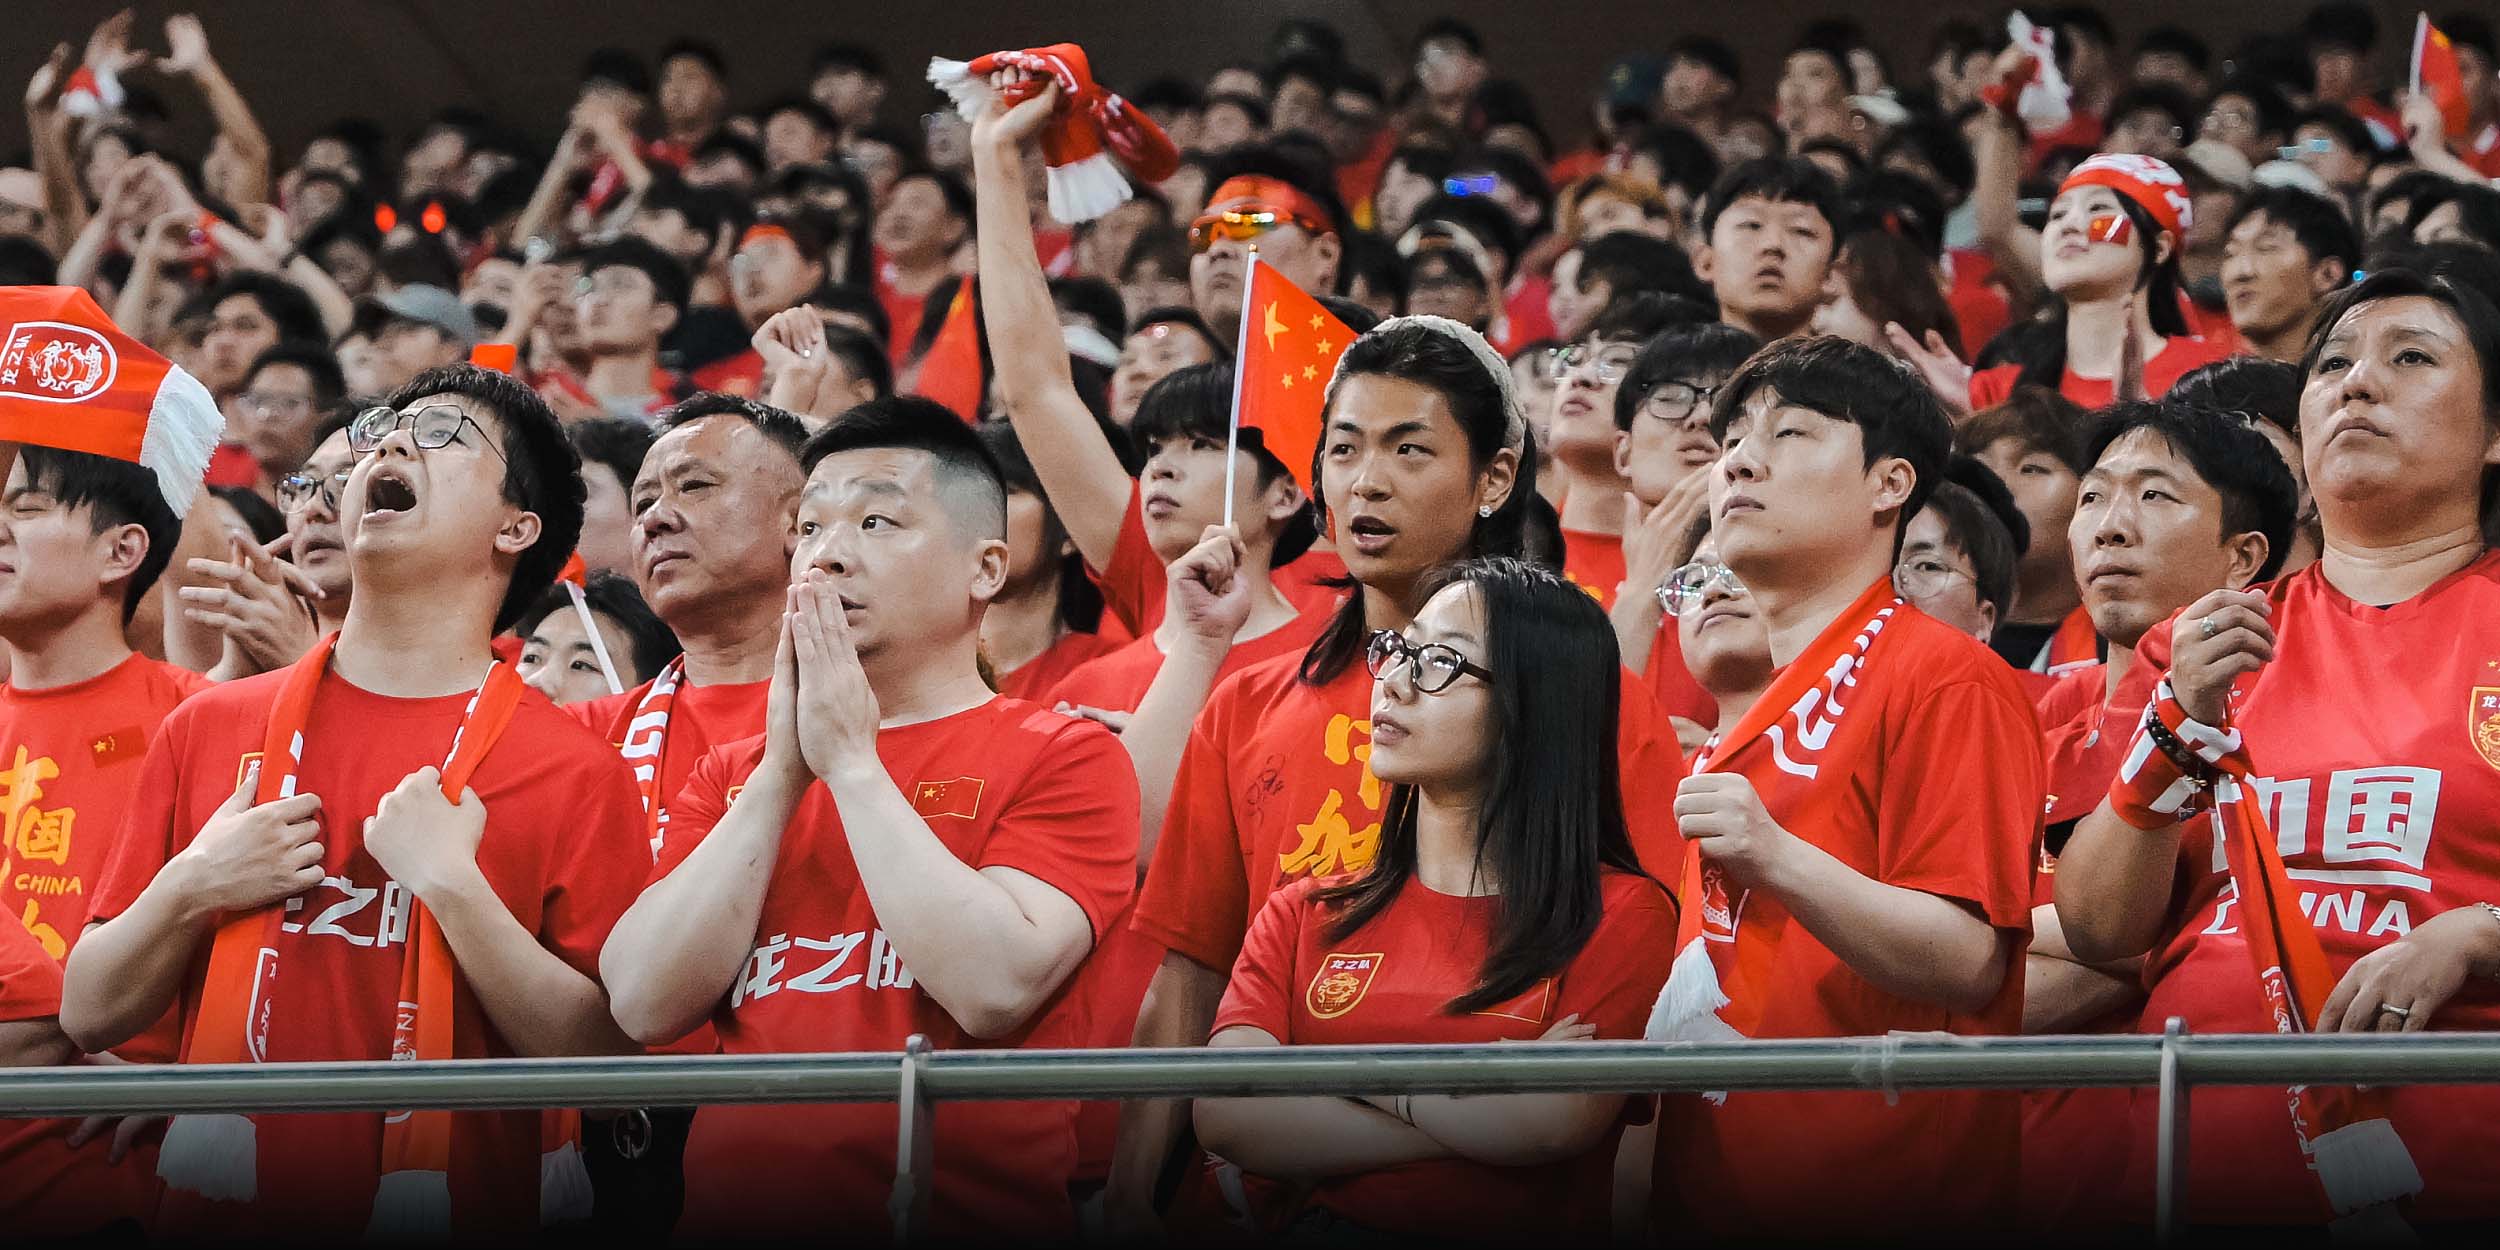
{"type": "Point", "coordinates": [2437, 73]}
{"type": "Point", "coordinates": [1289, 349]}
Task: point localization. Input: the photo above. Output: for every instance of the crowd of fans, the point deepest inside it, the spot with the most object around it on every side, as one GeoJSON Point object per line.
{"type": "Point", "coordinates": [1834, 556]}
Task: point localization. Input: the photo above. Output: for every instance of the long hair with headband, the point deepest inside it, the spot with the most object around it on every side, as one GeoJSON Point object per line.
{"type": "Point", "coordinates": [1457, 363]}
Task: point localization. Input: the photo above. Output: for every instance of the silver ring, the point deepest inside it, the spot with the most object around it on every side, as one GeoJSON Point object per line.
{"type": "Point", "coordinates": [2401, 1013]}
{"type": "Point", "coordinates": [2205, 626]}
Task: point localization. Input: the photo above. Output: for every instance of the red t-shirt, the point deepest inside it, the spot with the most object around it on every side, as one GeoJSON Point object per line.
{"type": "Point", "coordinates": [48, 1190]}
{"type": "Point", "coordinates": [1275, 785]}
{"type": "Point", "coordinates": [1392, 980]}
{"type": "Point", "coordinates": [1672, 684]}
{"type": "Point", "coordinates": [2082, 130]}
{"type": "Point", "coordinates": [69, 757]}
{"type": "Point", "coordinates": [1133, 583]}
{"type": "Point", "coordinates": [903, 312]}
{"type": "Point", "coordinates": [2386, 804]}
{"type": "Point", "coordinates": [1594, 563]}
{"type": "Point", "coordinates": [1981, 308]}
{"type": "Point", "coordinates": [2177, 358]}
{"type": "Point", "coordinates": [1006, 784]}
{"type": "Point", "coordinates": [1118, 681]}
{"type": "Point", "coordinates": [232, 464]}
{"type": "Point", "coordinates": [742, 374]}
{"type": "Point", "coordinates": [563, 849]}
{"type": "Point", "coordinates": [1044, 672]}
{"type": "Point", "coordinates": [1932, 713]}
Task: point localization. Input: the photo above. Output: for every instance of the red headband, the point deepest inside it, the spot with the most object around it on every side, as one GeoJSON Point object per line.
{"type": "Point", "coordinates": [1275, 193]}
{"type": "Point", "coordinates": [767, 230]}
{"type": "Point", "coordinates": [2153, 186]}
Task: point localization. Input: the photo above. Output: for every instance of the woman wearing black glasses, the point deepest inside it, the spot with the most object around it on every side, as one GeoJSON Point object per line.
{"type": "Point", "coordinates": [1505, 904]}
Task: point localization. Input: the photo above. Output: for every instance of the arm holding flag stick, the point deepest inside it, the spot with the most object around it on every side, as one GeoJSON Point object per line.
{"type": "Point", "coordinates": [1087, 485]}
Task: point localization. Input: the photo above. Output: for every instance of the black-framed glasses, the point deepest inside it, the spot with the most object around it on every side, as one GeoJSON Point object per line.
{"type": "Point", "coordinates": [1606, 364]}
{"type": "Point", "coordinates": [1925, 577]}
{"type": "Point", "coordinates": [1685, 588]}
{"type": "Point", "coordinates": [431, 428]}
{"type": "Point", "coordinates": [296, 490]}
{"type": "Point", "coordinates": [1433, 666]}
{"type": "Point", "coordinates": [1677, 400]}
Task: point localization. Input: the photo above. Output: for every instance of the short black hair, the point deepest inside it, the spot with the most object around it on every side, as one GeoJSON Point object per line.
{"type": "Point", "coordinates": [2245, 386]}
{"type": "Point", "coordinates": [816, 114]}
{"type": "Point", "coordinates": [1288, 164]}
{"type": "Point", "coordinates": [738, 147]}
{"type": "Point", "coordinates": [317, 362]}
{"type": "Point", "coordinates": [283, 302]}
{"type": "Point", "coordinates": [616, 443]}
{"type": "Point", "coordinates": [1685, 353]}
{"type": "Point", "coordinates": [1424, 160]}
{"type": "Point", "coordinates": [2038, 420]}
{"type": "Point", "coordinates": [1895, 413]}
{"type": "Point", "coordinates": [1638, 316]}
{"type": "Point", "coordinates": [2478, 210]}
{"type": "Point", "coordinates": [114, 493]}
{"type": "Point", "coordinates": [1195, 401]}
{"type": "Point", "coordinates": [863, 356]}
{"type": "Point", "coordinates": [1374, 261]}
{"type": "Point", "coordinates": [24, 262]}
{"type": "Point", "coordinates": [1080, 599]}
{"type": "Point", "coordinates": [952, 188]}
{"type": "Point", "coordinates": [2317, 222]}
{"type": "Point", "coordinates": [1097, 301]}
{"type": "Point", "coordinates": [783, 429]}
{"type": "Point", "coordinates": [2258, 495]}
{"type": "Point", "coordinates": [2162, 97]}
{"type": "Point", "coordinates": [858, 58]}
{"type": "Point", "coordinates": [260, 516]}
{"type": "Point", "coordinates": [1179, 315]}
{"type": "Point", "coordinates": [542, 473]}
{"type": "Point", "coordinates": [617, 68]}
{"type": "Point", "coordinates": [1452, 29]}
{"type": "Point", "coordinates": [1940, 147]}
{"type": "Point", "coordinates": [707, 212]}
{"type": "Point", "coordinates": [2176, 41]}
{"type": "Point", "coordinates": [1628, 261]}
{"type": "Point", "coordinates": [965, 470]}
{"type": "Point", "coordinates": [1489, 223]}
{"type": "Point", "coordinates": [861, 302]}
{"type": "Point", "coordinates": [1781, 180]}
{"type": "Point", "coordinates": [2354, 132]}
{"type": "Point", "coordinates": [1251, 106]}
{"type": "Point", "coordinates": [1714, 54]}
{"type": "Point", "coordinates": [2274, 109]}
{"type": "Point", "coordinates": [701, 50]}
{"type": "Point", "coordinates": [614, 596]}
{"type": "Point", "coordinates": [1980, 517]}
{"type": "Point", "coordinates": [1684, 159]}
{"type": "Point", "coordinates": [669, 283]}
{"type": "Point", "coordinates": [2340, 24]}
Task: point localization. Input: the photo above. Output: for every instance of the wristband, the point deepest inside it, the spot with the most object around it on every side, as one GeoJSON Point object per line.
{"type": "Point", "coordinates": [2171, 765]}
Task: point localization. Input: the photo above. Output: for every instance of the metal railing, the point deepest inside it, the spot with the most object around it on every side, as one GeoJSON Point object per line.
{"type": "Point", "coordinates": [917, 1078]}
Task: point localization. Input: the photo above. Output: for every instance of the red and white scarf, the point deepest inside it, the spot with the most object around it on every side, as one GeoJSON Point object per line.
{"type": "Point", "coordinates": [643, 741]}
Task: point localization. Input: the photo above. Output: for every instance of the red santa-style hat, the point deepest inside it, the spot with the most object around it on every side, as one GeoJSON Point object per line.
{"type": "Point", "coordinates": [2152, 184]}
{"type": "Point", "coordinates": [1088, 129]}
{"type": "Point", "coordinates": [69, 378]}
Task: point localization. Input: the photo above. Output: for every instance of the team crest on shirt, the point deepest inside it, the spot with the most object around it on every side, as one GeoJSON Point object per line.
{"type": "Point", "coordinates": [2482, 723]}
{"type": "Point", "coordinates": [1340, 983]}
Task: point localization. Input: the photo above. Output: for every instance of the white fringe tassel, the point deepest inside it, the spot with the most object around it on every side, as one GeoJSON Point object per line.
{"type": "Point", "coordinates": [214, 1156]}
{"type": "Point", "coordinates": [563, 1186]}
{"type": "Point", "coordinates": [2363, 1165]}
{"type": "Point", "coordinates": [1087, 189]}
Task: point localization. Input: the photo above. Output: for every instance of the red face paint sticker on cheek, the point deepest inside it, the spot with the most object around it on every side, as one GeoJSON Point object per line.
{"type": "Point", "coordinates": [2109, 228]}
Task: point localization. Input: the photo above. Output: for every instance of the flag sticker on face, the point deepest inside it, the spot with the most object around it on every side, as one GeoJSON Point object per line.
{"type": "Point", "coordinates": [2482, 723]}
{"type": "Point", "coordinates": [1340, 983]}
{"type": "Point", "coordinates": [960, 797]}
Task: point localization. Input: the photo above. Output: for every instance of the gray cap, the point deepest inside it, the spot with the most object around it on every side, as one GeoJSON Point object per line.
{"type": "Point", "coordinates": [433, 306]}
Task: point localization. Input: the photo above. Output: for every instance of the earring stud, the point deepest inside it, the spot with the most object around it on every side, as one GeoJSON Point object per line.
{"type": "Point", "coordinates": [1484, 509]}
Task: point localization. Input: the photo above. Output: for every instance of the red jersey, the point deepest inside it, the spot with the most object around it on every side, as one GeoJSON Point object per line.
{"type": "Point", "coordinates": [1276, 785]}
{"type": "Point", "coordinates": [232, 464]}
{"type": "Point", "coordinates": [1392, 981]}
{"type": "Point", "coordinates": [1005, 784]}
{"type": "Point", "coordinates": [2177, 358]}
{"type": "Point", "coordinates": [48, 1190]}
{"type": "Point", "coordinates": [69, 758]}
{"type": "Point", "coordinates": [2385, 802]}
{"type": "Point", "coordinates": [563, 849]}
{"type": "Point", "coordinates": [1932, 713]}
{"type": "Point", "coordinates": [1118, 681]}
{"type": "Point", "coordinates": [1045, 671]}
{"type": "Point", "coordinates": [1672, 684]}
{"type": "Point", "coordinates": [742, 375]}
{"type": "Point", "coordinates": [1594, 563]}
{"type": "Point", "coordinates": [1133, 583]}
{"type": "Point", "coordinates": [1981, 308]}
{"type": "Point", "coordinates": [903, 312]}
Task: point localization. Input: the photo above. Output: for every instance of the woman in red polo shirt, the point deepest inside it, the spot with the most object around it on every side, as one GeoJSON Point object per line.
{"type": "Point", "coordinates": [1504, 904]}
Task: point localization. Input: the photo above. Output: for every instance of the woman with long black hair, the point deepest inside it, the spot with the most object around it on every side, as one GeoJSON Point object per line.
{"type": "Point", "coordinates": [2306, 834]}
{"type": "Point", "coordinates": [1504, 904]}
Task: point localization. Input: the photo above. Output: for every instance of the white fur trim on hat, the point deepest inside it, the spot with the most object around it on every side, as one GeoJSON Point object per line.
{"type": "Point", "coordinates": [183, 429]}
{"type": "Point", "coordinates": [1515, 428]}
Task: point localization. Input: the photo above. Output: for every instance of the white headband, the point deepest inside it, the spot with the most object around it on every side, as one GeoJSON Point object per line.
{"type": "Point", "coordinates": [1515, 421]}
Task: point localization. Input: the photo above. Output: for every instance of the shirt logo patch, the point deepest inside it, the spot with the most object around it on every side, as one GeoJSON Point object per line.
{"type": "Point", "coordinates": [960, 797]}
{"type": "Point", "coordinates": [2482, 723]}
{"type": "Point", "coordinates": [1340, 983]}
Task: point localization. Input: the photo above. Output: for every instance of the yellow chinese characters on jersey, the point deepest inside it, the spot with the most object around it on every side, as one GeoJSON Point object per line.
{"type": "Point", "coordinates": [1331, 842]}
{"type": "Point", "coordinates": [32, 836]}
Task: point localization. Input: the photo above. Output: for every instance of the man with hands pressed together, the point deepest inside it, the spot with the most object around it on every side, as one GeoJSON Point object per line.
{"type": "Point", "coordinates": [903, 851]}
{"type": "Point", "coordinates": [297, 878]}
{"type": "Point", "coordinates": [1834, 891]}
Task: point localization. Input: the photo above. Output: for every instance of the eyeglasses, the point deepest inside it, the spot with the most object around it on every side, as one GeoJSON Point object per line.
{"type": "Point", "coordinates": [1242, 225]}
{"type": "Point", "coordinates": [432, 427]}
{"type": "Point", "coordinates": [1679, 401]}
{"type": "Point", "coordinates": [1433, 666]}
{"type": "Point", "coordinates": [1925, 577]}
{"type": "Point", "coordinates": [296, 490]}
{"type": "Point", "coordinates": [262, 403]}
{"type": "Point", "coordinates": [1607, 365]}
{"type": "Point", "coordinates": [1686, 587]}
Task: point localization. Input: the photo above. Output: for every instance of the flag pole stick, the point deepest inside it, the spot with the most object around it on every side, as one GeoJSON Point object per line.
{"type": "Point", "coordinates": [1241, 349]}
{"type": "Point", "coordinates": [598, 645]}
{"type": "Point", "coordinates": [2413, 86]}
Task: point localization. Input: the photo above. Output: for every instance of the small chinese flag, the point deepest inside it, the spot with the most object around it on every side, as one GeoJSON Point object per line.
{"type": "Point", "coordinates": [128, 743]}
{"type": "Point", "coordinates": [951, 372]}
{"type": "Point", "coordinates": [1289, 350]}
{"type": "Point", "coordinates": [2437, 74]}
{"type": "Point", "coordinates": [959, 797]}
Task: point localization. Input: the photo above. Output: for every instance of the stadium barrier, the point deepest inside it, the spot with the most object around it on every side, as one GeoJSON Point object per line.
{"type": "Point", "coordinates": [917, 1078]}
